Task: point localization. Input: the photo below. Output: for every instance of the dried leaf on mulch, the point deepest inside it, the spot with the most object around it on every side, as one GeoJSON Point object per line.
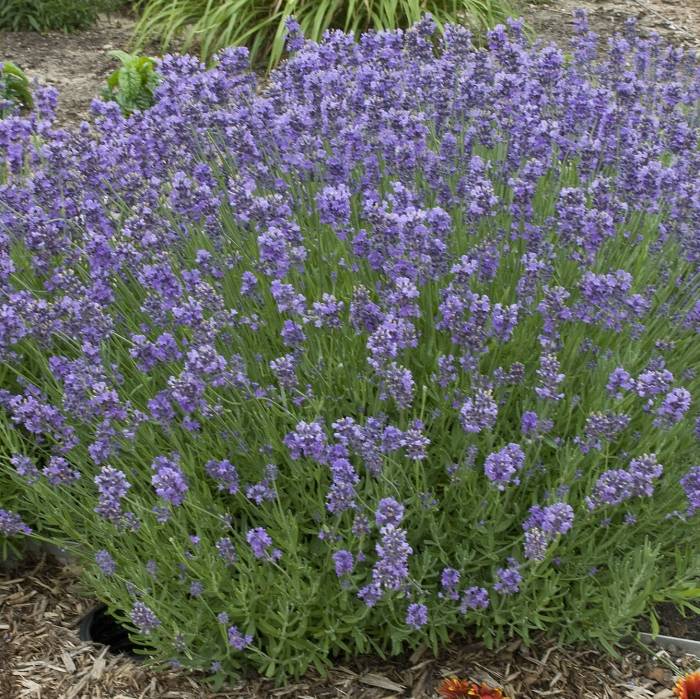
{"type": "Point", "coordinates": [42, 658]}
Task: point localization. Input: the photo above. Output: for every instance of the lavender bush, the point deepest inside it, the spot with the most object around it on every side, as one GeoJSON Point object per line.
{"type": "Point", "coordinates": [403, 344]}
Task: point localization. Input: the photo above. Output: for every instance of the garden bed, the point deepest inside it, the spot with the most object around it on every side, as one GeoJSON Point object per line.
{"type": "Point", "coordinates": [188, 258]}
{"type": "Point", "coordinates": [41, 656]}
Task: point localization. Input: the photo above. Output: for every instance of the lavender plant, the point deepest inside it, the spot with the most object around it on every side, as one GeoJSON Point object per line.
{"type": "Point", "coordinates": [402, 345]}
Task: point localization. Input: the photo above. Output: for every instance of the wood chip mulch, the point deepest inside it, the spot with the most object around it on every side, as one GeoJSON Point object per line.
{"type": "Point", "coordinates": [41, 657]}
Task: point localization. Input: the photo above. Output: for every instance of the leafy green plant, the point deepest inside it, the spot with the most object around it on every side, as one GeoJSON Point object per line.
{"type": "Point", "coordinates": [46, 15]}
{"type": "Point", "coordinates": [132, 86]}
{"type": "Point", "coordinates": [14, 89]}
{"type": "Point", "coordinates": [215, 24]}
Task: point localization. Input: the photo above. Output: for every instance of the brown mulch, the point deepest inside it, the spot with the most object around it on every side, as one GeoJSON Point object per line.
{"type": "Point", "coordinates": [41, 657]}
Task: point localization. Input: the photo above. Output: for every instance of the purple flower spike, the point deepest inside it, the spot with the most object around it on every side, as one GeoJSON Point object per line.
{"type": "Point", "coordinates": [112, 487]}
{"type": "Point", "coordinates": [389, 511]}
{"type": "Point", "coordinates": [449, 581]}
{"type": "Point", "coordinates": [11, 524]}
{"type": "Point", "coordinates": [238, 640]}
{"type": "Point", "coordinates": [259, 541]}
{"type": "Point", "coordinates": [344, 563]}
{"type": "Point", "coordinates": [417, 615]}
{"type": "Point", "coordinates": [105, 562]}
{"type": "Point", "coordinates": [224, 472]}
{"type": "Point", "coordinates": [474, 598]}
{"type": "Point", "coordinates": [144, 618]}
{"type": "Point", "coordinates": [479, 413]}
{"type": "Point", "coordinates": [691, 485]}
{"type": "Point", "coordinates": [501, 466]}
{"type": "Point", "coordinates": [509, 578]}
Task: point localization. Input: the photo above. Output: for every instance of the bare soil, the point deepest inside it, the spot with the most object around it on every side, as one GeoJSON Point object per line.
{"type": "Point", "coordinates": [41, 657]}
{"type": "Point", "coordinates": [673, 623]}
{"type": "Point", "coordinates": [677, 21]}
{"type": "Point", "coordinates": [76, 64]}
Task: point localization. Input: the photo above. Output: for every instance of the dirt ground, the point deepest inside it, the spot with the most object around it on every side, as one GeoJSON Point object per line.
{"type": "Point", "coordinates": [41, 657]}
{"type": "Point", "coordinates": [77, 64]}
{"type": "Point", "coordinates": [678, 21]}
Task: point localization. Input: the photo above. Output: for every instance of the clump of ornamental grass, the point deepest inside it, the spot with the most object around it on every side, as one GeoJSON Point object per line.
{"type": "Point", "coordinates": [401, 346]}
{"type": "Point", "coordinates": [212, 25]}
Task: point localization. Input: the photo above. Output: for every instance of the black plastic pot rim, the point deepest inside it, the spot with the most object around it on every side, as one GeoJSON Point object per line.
{"type": "Point", "coordinates": [85, 635]}
{"type": "Point", "coordinates": [672, 643]}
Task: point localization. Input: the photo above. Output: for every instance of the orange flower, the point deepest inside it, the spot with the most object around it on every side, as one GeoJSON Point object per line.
{"type": "Point", "coordinates": [483, 691]}
{"type": "Point", "coordinates": [688, 687]}
{"type": "Point", "coordinates": [453, 688]}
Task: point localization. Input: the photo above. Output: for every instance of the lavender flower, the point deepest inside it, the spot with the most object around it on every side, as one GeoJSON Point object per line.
{"type": "Point", "coordinates": [550, 378]}
{"type": "Point", "coordinates": [619, 382]}
{"type": "Point", "coordinates": [415, 442]}
{"type": "Point", "coordinates": [225, 474]}
{"type": "Point", "coordinates": [479, 413]}
{"type": "Point", "coordinates": [169, 480]}
{"type": "Point", "coordinates": [674, 407]}
{"type": "Point", "coordinates": [196, 588]}
{"type": "Point", "coordinates": [402, 224]}
{"type": "Point", "coordinates": [644, 470]}
{"type": "Point", "coordinates": [26, 468]}
{"type": "Point", "coordinates": [226, 550]}
{"type": "Point", "coordinates": [536, 544]}
{"type": "Point", "coordinates": [260, 541]}
{"type": "Point", "coordinates": [449, 581]}
{"type": "Point", "coordinates": [691, 486]}
{"type": "Point", "coordinates": [417, 615]}
{"type": "Point", "coordinates": [529, 422]}
{"type": "Point", "coordinates": [612, 488]}
{"type": "Point", "coordinates": [391, 568]}
{"type": "Point", "coordinates": [112, 486]}
{"type": "Point", "coordinates": [341, 495]}
{"type": "Point", "coordinates": [389, 511]}
{"type": "Point", "coordinates": [602, 427]}
{"type": "Point", "coordinates": [370, 594]}
{"type": "Point", "coordinates": [474, 598]}
{"type": "Point", "coordinates": [344, 563]}
{"type": "Point", "coordinates": [59, 472]}
{"type": "Point", "coordinates": [11, 524]}
{"type": "Point", "coordinates": [238, 640]}
{"type": "Point", "coordinates": [509, 578]}
{"type": "Point", "coordinates": [307, 440]}
{"type": "Point", "coordinates": [143, 618]}
{"type": "Point", "coordinates": [105, 562]}
{"type": "Point", "coordinates": [501, 466]}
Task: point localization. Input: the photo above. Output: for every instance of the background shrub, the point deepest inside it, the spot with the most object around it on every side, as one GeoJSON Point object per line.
{"type": "Point", "coordinates": [403, 345]}
{"type": "Point", "coordinates": [47, 15]}
{"type": "Point", "coordinates": [212, 25]}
